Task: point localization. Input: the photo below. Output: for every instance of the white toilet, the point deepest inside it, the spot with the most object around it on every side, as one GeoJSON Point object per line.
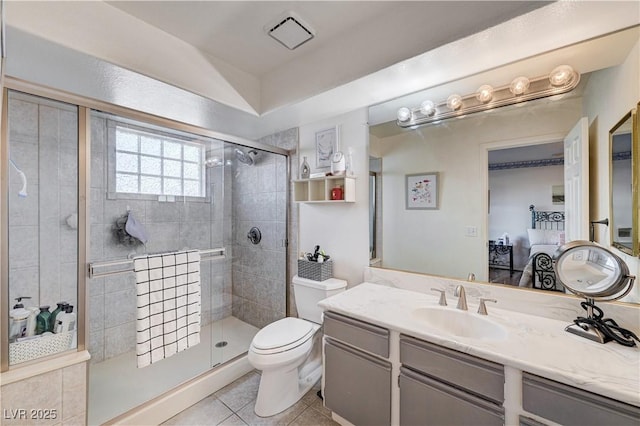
{"type": "Point", "coordinates": [289, 351]}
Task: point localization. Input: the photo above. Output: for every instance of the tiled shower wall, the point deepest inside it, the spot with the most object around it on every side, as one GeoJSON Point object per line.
{"type": "Point", "coordinates": [260, 199]}
{"type": "Point", "coordinates": [170, 226]}
{"type": "Point", "coordinates": [289, 140]}
{"type": "Point", "coordinates": [43, 142]}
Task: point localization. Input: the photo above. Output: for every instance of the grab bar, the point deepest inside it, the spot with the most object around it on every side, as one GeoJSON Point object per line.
{"type": "Point", "coordinates": [121, 266]}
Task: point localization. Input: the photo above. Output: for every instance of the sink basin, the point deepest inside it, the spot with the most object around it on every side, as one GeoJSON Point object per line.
{"type": "Point", "coordinates": [460, 323]}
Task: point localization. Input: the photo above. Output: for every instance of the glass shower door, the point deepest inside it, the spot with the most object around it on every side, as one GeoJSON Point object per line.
{"type": "Point", "coordinates": [42, 226]}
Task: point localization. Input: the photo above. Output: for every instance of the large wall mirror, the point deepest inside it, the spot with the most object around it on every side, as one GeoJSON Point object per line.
{"type": "Point", "coordinates": [492, 166]}
{"type": "Point", "coordinates": [624, 152]}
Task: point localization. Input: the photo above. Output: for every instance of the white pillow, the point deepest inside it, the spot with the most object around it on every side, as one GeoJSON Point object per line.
{"type": "Point", "coordinates": [545, 236]}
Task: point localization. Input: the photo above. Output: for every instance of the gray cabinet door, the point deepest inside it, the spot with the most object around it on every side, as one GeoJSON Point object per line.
{"type": "Point", "coordinates": [357, 386]}
{"type": "Point", "coordinates": [571, 406]}
{"type": "Point", "coordinates": [365, 336]}
{"type": "Point", "coordinates": [424, 402]}
{"type": "Point", "coordinates": [479, 376]}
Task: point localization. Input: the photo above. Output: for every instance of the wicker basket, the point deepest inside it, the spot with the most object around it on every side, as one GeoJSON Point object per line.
{"type": "Point", "coordinates": [39, 347]}
{"type": "Point", "coordinates": [314, 270]}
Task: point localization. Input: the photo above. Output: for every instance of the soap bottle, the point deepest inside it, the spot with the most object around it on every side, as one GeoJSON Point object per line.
{"type": "Point", "coordinates": [66, 321]}
{"type": "Point", "coordinates": [18, 323]}
{"type": "Point", "coordinates": [43, 320]}
{"type": "Point", "coordinates": [305, 170]}
{"type": "Point", "coordinates": [54, 314]}
{"type": "Point", "coordinates": [31, 321]}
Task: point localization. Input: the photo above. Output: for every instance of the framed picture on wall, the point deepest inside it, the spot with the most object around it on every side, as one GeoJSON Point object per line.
{"type": "Point", "coordinates": [421, 191]}
{"type": "Point", "coordinates": [326, 145]}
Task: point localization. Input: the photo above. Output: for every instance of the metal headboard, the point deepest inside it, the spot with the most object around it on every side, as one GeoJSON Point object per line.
{"type": "Point", "coordinates": [546, 219]}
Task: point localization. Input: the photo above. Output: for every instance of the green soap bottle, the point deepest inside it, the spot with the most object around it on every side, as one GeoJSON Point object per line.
{"type": "Point", "coordinates": [52, 322]}
{"type": "Point", "coordinates": [43, 320]}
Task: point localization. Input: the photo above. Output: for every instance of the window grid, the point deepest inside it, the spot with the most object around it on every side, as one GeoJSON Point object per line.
{"type": "Point", "coordinates": [164, 178]}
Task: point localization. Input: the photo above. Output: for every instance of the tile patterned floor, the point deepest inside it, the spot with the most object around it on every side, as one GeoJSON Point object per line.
{"type": "Point", "coordinates": [233, 405]}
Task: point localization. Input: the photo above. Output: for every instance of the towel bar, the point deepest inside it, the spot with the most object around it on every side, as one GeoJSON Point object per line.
{"type": "Point", "coordinates": [114, 267]}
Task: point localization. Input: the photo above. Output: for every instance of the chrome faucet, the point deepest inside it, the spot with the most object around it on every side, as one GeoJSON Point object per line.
{"type": "Point", "coordinates": [462, 298]}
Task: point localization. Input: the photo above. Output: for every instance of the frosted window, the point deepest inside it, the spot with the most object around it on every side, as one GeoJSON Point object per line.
{"type": "Point", "coordinates": [172, 168]}
{"type": "Point", "coordinates": [150, 166]}
{"type": "Point", "coordinates": [172, 186]}
{"type": "Point", "coordinates": [191, 188]}
{"type": "Point", "coordinates": [151, 146]}
{"type": "Point", "coordinates": [163, 165]}
{"type": "Point", "coordinates": [151, 185]}
{"type": "Point", "coordinates": [172, 150]}
{"type": "Point", "coordinates": [127, 141]}
{"type": "Point", "coordinates": [192, 171]}
{"type": "Point", "coordinates": [126, 162]}
{"type": "Point", "coordinates": [191, 153]}
{"type": "Point", "coordinates": [126, 183]}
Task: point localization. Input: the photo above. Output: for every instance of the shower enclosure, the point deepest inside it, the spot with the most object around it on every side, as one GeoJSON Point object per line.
{"type": "Point", "coordinates": [186, 188]}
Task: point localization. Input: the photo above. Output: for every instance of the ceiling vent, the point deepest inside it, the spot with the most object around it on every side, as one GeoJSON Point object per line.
{"type": "Point", "coordinates": [290, 30]}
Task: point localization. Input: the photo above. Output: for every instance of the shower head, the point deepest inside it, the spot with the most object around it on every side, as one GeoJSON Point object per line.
{"type": "Point", "coordinates": [246, 157]}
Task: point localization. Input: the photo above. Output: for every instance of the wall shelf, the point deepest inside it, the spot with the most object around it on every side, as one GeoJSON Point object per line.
{"type": "Point", "coordinates": [318, 190]}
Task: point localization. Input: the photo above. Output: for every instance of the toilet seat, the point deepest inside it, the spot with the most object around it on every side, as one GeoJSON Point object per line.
{"type": "Point", "coordinates": [283, 335]}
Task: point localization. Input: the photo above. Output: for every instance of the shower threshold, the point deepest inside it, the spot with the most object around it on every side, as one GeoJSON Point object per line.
{"type": "Point", "coordinates": [116, 385]}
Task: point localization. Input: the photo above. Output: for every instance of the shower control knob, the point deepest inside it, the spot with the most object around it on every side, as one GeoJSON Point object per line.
{"type": "Point", "coordinates": [254, 235]}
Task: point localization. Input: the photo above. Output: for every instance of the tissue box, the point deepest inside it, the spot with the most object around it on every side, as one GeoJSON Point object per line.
{"type": "Point", "coordinates": [314, 270]}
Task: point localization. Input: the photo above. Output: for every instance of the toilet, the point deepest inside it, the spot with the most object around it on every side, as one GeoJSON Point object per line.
{"type": "Point", "coordinates": [289, 351]}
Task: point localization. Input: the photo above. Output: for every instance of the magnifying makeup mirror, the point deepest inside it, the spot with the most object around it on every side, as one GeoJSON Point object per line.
{"type": "Point", "coordinates": [595, 273]}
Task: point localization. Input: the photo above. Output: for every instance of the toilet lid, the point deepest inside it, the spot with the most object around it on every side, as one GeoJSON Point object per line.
{"type": "Point", "coordinates": [281, 333]}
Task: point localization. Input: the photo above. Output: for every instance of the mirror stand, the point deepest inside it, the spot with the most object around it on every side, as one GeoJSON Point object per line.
{"type": "Point", "coordinates": [595, 273]}
{"type": "Point", "coordinates": [584, 327]}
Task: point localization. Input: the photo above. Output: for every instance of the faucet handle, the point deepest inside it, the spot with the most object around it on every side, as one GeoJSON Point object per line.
{"type": "Point", "coordinates": [443, 298]}
{"type": "Point", "coordinates": [482, 309]}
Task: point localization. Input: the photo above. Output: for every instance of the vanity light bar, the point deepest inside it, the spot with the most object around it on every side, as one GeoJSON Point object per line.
{"type": "Point", "coordinates": [561, 80]}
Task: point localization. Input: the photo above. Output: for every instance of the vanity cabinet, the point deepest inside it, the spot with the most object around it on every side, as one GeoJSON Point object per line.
{"type": "Point", "coordinates": [357, 373]}
{"type": "Point", "coordinates": [567, 405]}
{"type": "Point", "coordinates": [318, 190]}
{"type": "Point", "coordinates": [440, 386]}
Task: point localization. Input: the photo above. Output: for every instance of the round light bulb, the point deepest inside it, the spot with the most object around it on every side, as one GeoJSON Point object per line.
{"type": "Point", "coordinates": [428, 108]}
{"type": "Point", "coordinates": [519, 85]}
{"type": "Point", "coordinates": [454, 102]}
{"type": "Point", "coordinates": [485, 93]}
{"type": "Point", "coordinates": [404, 114]}
{"type": "Point", "coordinates": [561, 75]}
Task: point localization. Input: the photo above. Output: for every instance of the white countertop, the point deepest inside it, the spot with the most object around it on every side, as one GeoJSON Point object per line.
{"type": "Point", "coordinates": [534, 344]}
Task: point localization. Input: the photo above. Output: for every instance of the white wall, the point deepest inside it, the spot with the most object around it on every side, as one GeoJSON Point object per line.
{"type": "Point", "coordinates": [609, 95]}
{"type": "Point", "coordinates": [342, 229]}
{"type": "Point", "coordinates": [434, 241]}
{"type": "Point", "coordinates": [512, 192]}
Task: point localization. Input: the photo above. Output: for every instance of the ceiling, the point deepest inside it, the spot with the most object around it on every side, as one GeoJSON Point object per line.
{"type": "Point", "coordinates": [220, 50]}
{"type": "Point", "coordinates": [365, 53]}
{"type": "Point", "coordinates": [234, 31]}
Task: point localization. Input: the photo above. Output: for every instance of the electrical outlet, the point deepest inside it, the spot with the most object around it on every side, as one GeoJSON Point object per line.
{"type": "Point", "coordinates": [471, 231]}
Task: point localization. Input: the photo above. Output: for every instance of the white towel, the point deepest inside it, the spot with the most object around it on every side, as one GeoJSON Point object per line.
{"type": "Point", "coordinates": [168, 300]}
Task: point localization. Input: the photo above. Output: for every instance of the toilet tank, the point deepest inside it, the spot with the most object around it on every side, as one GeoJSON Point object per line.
{"type": "Point", "coordinates": [309, 292]}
